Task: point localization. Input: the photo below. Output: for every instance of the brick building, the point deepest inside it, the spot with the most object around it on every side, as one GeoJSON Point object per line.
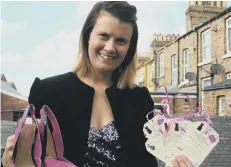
{"type": "Point", "coordinates": [206, 42]}
{"type": "Point", "coordinates": [12, 102]}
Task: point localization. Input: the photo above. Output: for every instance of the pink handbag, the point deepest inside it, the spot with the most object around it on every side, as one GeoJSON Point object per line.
{"type": "Point", "coordinates": [38, 152]}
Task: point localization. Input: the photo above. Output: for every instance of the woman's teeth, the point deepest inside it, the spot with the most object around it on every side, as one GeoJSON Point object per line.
{"type": "Point", "coordinates": [107, 57]}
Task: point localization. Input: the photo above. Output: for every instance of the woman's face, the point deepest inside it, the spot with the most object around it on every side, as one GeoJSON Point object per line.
{"type": "Point", "coordinates": [108, 43]}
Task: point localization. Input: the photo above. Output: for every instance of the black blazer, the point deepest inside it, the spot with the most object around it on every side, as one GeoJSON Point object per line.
{"type": "Point", "coordinates": [71, 101]}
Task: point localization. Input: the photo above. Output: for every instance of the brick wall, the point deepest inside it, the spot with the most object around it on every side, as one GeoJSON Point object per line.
{"type": "Point", "coordinates": [184, 107]}
{"type": "Point", "coordinates": [212, 100]}
{"type": "Point", "coordinates": [10, 103]}
{"type": "Point", "coordinates": [180, 104]}
{"type": "Point", "coordinates": [218, 50]}
{"type": "Point", "coordinates": [7, 116]}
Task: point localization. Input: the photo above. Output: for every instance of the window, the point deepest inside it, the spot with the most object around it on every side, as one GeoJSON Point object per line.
{"type": "Point", "coordinates": [228, 76]}
{"type": "Point", "coordinates": [196, 2]}
{"type": "Point", "coordinates": [186, 62]}
{"type": "Point", "coordinates": [205, 82]}
{"type": "Point", "coordinates": [206, 2]}
{"type": "Point", "coordinates": [162, 64]}
{"type": "Point", "coordinates": [215, 3]}
{"type": "Point", "coordinates": [174, 70]}
{"type": "Point", "coordinates": [228, 35]}
{"type": "Point", "coordinates": [206, 46]}
{"type": "Point", "coordinates": [151, 73]}
{"type": "Point", "coordinates": [17, 115]}
{"type": "Point", "coordinates": [222, 105]}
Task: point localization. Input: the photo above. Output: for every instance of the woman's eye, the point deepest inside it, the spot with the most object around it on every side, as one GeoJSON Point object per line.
{"type": "Point", "coordinates": [121, 42]}
{"type": "Point", "coordinates": [104, 36]}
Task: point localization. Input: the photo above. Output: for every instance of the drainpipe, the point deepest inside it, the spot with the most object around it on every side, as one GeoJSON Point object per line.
{"type": "Point", "coordinates": [178, 59]}
{"type": "Point", "coordinates": [155, 60]}
{"type": "Point", "coordinates": [174, 104]}
{"type": "Point", "coordinates": [197, 66]}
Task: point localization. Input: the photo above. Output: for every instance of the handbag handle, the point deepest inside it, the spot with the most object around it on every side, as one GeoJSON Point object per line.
{"type": "Point", "coordinates": [36, 141]}
{"type": "Point", "coordinates": [56, 133]}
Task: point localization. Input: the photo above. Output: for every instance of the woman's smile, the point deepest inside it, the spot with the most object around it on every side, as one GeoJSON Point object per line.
{"type": "Point", "coordinates": [107, 57]}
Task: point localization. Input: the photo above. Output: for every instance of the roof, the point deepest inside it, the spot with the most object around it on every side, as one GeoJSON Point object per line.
{"type": "Point", "coordinates": [226, 84]}
{"type": "Point", "coordinates": [7, 89]}
{"type": "Point", "coordinates": [173, 90]}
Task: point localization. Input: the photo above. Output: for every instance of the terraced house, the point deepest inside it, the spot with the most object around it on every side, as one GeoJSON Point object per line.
{"type": "Point", "coordinates": [197, 63]}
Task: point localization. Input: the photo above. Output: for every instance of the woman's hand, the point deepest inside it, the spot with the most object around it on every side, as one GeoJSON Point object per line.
{"type": "Point", "coordinates": [182, 161]}
{"type": "Point", "coordinates": [7, 155]}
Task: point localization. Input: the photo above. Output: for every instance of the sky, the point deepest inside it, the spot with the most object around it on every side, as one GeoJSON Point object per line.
{"type": "Point", "coordinates": [40, 39]}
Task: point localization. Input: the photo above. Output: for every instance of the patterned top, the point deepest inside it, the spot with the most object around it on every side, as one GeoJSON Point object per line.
{"type": "Point", "coordinates": [102, 146]}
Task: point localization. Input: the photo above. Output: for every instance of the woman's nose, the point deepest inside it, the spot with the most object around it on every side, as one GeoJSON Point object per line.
{"type": "Point", "coordinates": [110, 46]}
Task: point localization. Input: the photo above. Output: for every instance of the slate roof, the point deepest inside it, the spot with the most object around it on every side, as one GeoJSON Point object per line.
{"type": "Point", "coordinates": [7, 89]}
{"type": "Point", "coordinates": [175, 90]}
{"type": "Point", "coordinates": [226, 84]}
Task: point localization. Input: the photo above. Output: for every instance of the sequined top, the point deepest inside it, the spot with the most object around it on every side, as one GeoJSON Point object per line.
{"type": "Point", "coordinates": [102, 146]}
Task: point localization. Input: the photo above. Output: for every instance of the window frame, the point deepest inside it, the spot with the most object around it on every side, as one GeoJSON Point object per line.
{"type": "Point", "coordinates": [186, 65]}
{"type": "Point", "coordinates": [227, 35]}
{"type": "Point", "coordinates": [174, 69]}
{"type": "Point", "coordinates": [205, 59]}
{"type": "Point", "coordinates": [161, 69]}
{"type": "Point", "coordinates": [202, 93]}
{"type": "Point", "coordinates": [220, 109]}
{"type": "Point", "coordinates": [228, 75]}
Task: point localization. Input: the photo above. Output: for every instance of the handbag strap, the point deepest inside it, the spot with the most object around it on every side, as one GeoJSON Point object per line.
{"type": "Point", "coordinates": [56, 134]}
{"type": "Point", "coordinates": [36, 141]}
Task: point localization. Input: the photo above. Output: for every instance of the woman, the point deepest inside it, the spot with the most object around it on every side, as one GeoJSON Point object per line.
{"type": "Point", "coordinates": [100, 111]}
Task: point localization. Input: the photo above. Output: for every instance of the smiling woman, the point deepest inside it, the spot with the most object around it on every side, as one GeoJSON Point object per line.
{"type": "Point", "coordinates": [108, 44]}
{"type": "Point", "coordinates": [101, 113]}
{"type": "Point", "coordinates": [110, 32]}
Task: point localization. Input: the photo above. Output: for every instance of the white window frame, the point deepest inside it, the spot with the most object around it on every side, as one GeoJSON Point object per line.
{"type": "Point", "coordinates": [186, 66]}
{"type": "Point", "coordinates": [221, 109]}
{"type": "Point", "coordinates": [202, 93]}
{"type": "Point", "coordinates": [161, 64]}
{"type": "Point", "coordinates": [152, 74]}
{"type": "Point", "coordinates": [228, 75]}
{"type": "Point", "coordinates": [206, 59]}
{"type": "Point", "coordinates": [174, 70]}
{"type": "Point", "coordinates": [228, 41]}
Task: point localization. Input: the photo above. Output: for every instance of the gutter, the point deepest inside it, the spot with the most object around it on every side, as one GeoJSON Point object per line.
{"type": "Point", "coordinates": [218, 88]}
